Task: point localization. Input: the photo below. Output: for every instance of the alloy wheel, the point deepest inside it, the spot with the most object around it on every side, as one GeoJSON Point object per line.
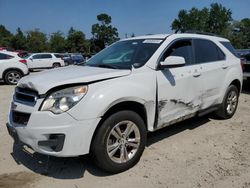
{"type": "Point", "coordinates": [123, 142]}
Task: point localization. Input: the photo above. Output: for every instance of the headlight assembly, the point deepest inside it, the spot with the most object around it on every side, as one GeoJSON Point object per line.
{"type": "Point", "coordinates": [62, 100]}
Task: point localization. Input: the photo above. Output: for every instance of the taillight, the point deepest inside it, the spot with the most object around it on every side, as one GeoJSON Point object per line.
{"type": "Point", "coordinates": [24, 61]}
{"type": "Point", "coordinates": [242, 62]}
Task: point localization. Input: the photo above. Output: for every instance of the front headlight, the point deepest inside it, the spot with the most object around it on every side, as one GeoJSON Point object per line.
{"type": "Point", "coordinates": [62, 100]}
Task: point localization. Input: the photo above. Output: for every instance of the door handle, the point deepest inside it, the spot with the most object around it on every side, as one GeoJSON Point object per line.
{"type": "Point", "coordinates": [196, 73]}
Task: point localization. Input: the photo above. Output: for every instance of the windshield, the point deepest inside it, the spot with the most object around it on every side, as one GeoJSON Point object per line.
{"type": "Point", "coordinates": [125, 54]}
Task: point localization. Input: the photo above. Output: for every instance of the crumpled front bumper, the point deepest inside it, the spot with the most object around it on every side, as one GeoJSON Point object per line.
{"type": "Point", "coordinates": [57, 135]}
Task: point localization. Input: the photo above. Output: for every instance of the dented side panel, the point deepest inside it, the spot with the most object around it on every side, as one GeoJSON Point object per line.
{"type": "Point", "coordinates": [179, 94]}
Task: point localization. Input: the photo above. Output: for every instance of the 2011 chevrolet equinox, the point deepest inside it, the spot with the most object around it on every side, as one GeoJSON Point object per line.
{"type": "Point", "coordinates": [106, 106]}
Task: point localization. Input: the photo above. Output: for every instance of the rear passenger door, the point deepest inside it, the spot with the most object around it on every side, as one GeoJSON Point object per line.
{"type": "Point", "coordinates": [213, 70]}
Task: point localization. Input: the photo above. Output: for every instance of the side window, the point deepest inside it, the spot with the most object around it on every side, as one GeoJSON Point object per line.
{"type": "Point", "coordinates": [58, 55]}
{"type": "Point", "coordinates": [5, 56]}
{"type": "Point", "coordinates": [229, 46]}
{"type": "Point", "coordinates": [46, 56]}
{"type": "Point", "coordinates": [36, 57]}
{"type": "Point", "coordinates": [182, 48]}
{"type": "Point", "coordinates": [207, 51]}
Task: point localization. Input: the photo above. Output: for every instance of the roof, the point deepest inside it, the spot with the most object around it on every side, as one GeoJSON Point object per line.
{"type": "Point", "coordinates": [163, 36]}
{"type": "Point", "coordinates": [9, 53]}
{"type": "Point", "coordinates": [157, 36]}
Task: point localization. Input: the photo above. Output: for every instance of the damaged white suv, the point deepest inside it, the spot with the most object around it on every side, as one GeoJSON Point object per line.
{"type": "Point", "coordinates": [106, 106]}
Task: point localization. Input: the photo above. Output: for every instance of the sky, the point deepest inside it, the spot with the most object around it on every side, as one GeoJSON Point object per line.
{"type": "Point", "coordinates": [128, 16]}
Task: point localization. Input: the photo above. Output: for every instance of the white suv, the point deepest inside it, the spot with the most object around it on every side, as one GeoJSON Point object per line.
{"type": "Point", "coordinates": [12, 67]}
{"type": "Point", "coordinates": [107, 106]}
{"type": "Point", "coordinates": [44, 61]}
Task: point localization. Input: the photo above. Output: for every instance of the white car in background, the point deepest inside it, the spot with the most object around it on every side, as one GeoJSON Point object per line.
{"type": "Point", "coordinates": [12, 67]}
{"type": "Point", "coordinates": [44, 61]}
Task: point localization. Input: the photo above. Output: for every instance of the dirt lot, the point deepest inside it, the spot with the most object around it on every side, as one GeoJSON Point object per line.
{"type": "Point", "coordinates": [200, 152]}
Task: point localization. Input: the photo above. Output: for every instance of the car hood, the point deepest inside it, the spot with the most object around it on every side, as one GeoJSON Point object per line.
{"type": "Point", "coordinates": [46, 80]}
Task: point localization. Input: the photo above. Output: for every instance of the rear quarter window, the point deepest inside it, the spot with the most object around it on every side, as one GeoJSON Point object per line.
{"type": "Point", "coordinates": [207, 51]}
{"type": "Point", "coordinates": [230, 47]}
{"type": "Point", "coordinates": [58, 55]}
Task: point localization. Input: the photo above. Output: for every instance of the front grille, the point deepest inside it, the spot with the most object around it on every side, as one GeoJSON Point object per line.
{"type": "Point", "coordinates": [26, 96]}
{"type": "Point", "coordinates": [20, 117]}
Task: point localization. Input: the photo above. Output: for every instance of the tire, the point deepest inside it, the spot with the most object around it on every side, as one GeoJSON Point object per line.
{"type": "Point", "coordinates": [229, 104]}
{"type": "Point", "coordinates": [11, 77]}
{"type": "Point", "coordinates": [56, 65]}
{"type": "Point", "coordinates": [107, 136]}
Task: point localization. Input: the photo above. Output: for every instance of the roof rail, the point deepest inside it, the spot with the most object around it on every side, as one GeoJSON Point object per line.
{"type": "Point", "coordinates": [201, 32]}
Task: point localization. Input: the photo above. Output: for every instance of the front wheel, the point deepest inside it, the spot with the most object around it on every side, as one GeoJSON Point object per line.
{"type": "Point", "coordinates": [119, 142]}
{"type": "Point", "coordinates": [230, 103]}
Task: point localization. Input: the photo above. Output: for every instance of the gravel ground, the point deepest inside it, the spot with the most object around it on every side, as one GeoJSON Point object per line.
{"type": "Point", "coordinates": [200, 152]}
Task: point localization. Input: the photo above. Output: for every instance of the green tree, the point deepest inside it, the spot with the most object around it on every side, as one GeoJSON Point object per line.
{"type": "Point", "coordinates": [76, 41]}
{"type": "Point", "coordinates": [240, 33]}
{"type": "Point", "coordinates": [36, 41]}
{"type": "Point", "coordinates": [5, 37]}
{"type": "Point", "coordinates": [214, 19]}
{"type": "Point", "coordinates": [57, 42]}
{"type": "Point", "coordinates": [19, 40]}
{"type": "Point", "coordinates": [103, 32]}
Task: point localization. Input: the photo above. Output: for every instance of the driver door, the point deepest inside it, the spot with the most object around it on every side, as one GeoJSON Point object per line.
{"type": "Point", "coordinates": [179, 87]}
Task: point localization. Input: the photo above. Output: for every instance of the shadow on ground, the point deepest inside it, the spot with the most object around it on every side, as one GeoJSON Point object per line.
{"type": "Point", "coordinates": [59, 168]}
{"type": "Point", "coordinates": [75, 167]}
{"type": "Point", "coordinates": [1, 83]}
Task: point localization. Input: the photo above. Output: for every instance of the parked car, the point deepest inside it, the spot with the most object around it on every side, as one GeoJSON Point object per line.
{"type": "Point", "coordinates": [74, 59]}
{"type": "Point", "coordinates": [12, 67]}
{"type": "Point", "coordinates": [44, 61]}
{"type": "Point", "coordinates": [245, 58]}
{"type": "Point", "coordinates": [6, 49]}
{"type": "Point", "coordinates": [106, 109]}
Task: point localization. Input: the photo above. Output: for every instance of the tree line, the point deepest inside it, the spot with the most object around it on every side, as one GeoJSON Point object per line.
{"type": "Point", "coordinates": [214, 19]}
{"type": "Point", "coordinates": [75, 41]}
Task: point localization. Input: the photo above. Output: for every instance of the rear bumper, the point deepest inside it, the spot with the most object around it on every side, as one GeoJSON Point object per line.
{"type": "Point", "coordinates": [61, 137]}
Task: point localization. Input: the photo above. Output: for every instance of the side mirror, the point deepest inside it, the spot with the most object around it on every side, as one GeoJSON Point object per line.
{"type": "Point", "coordinates": [31, 58]}
{"type": "Point", "coordinates": [173, 61]}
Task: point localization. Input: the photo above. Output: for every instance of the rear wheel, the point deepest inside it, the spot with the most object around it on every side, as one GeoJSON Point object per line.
{"type": "Point", "coordinates": [119, 142]}
{"type": "Point", "coordinates": [11, 77]}
{"type": "Point", "coordinates": [56, 65]}
{"type": "Point", "coordinates": [230, 103]}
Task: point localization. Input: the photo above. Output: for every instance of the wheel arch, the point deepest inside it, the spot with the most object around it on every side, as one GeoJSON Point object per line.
{"type": "Point", "coordinates": [56, 63]}
{"type": "Point", "coordinates": [237, 83]}
{"type": "Point", "coordinates": [134, 106]}
{"type": "Point", "coordinates": [9, 69]}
